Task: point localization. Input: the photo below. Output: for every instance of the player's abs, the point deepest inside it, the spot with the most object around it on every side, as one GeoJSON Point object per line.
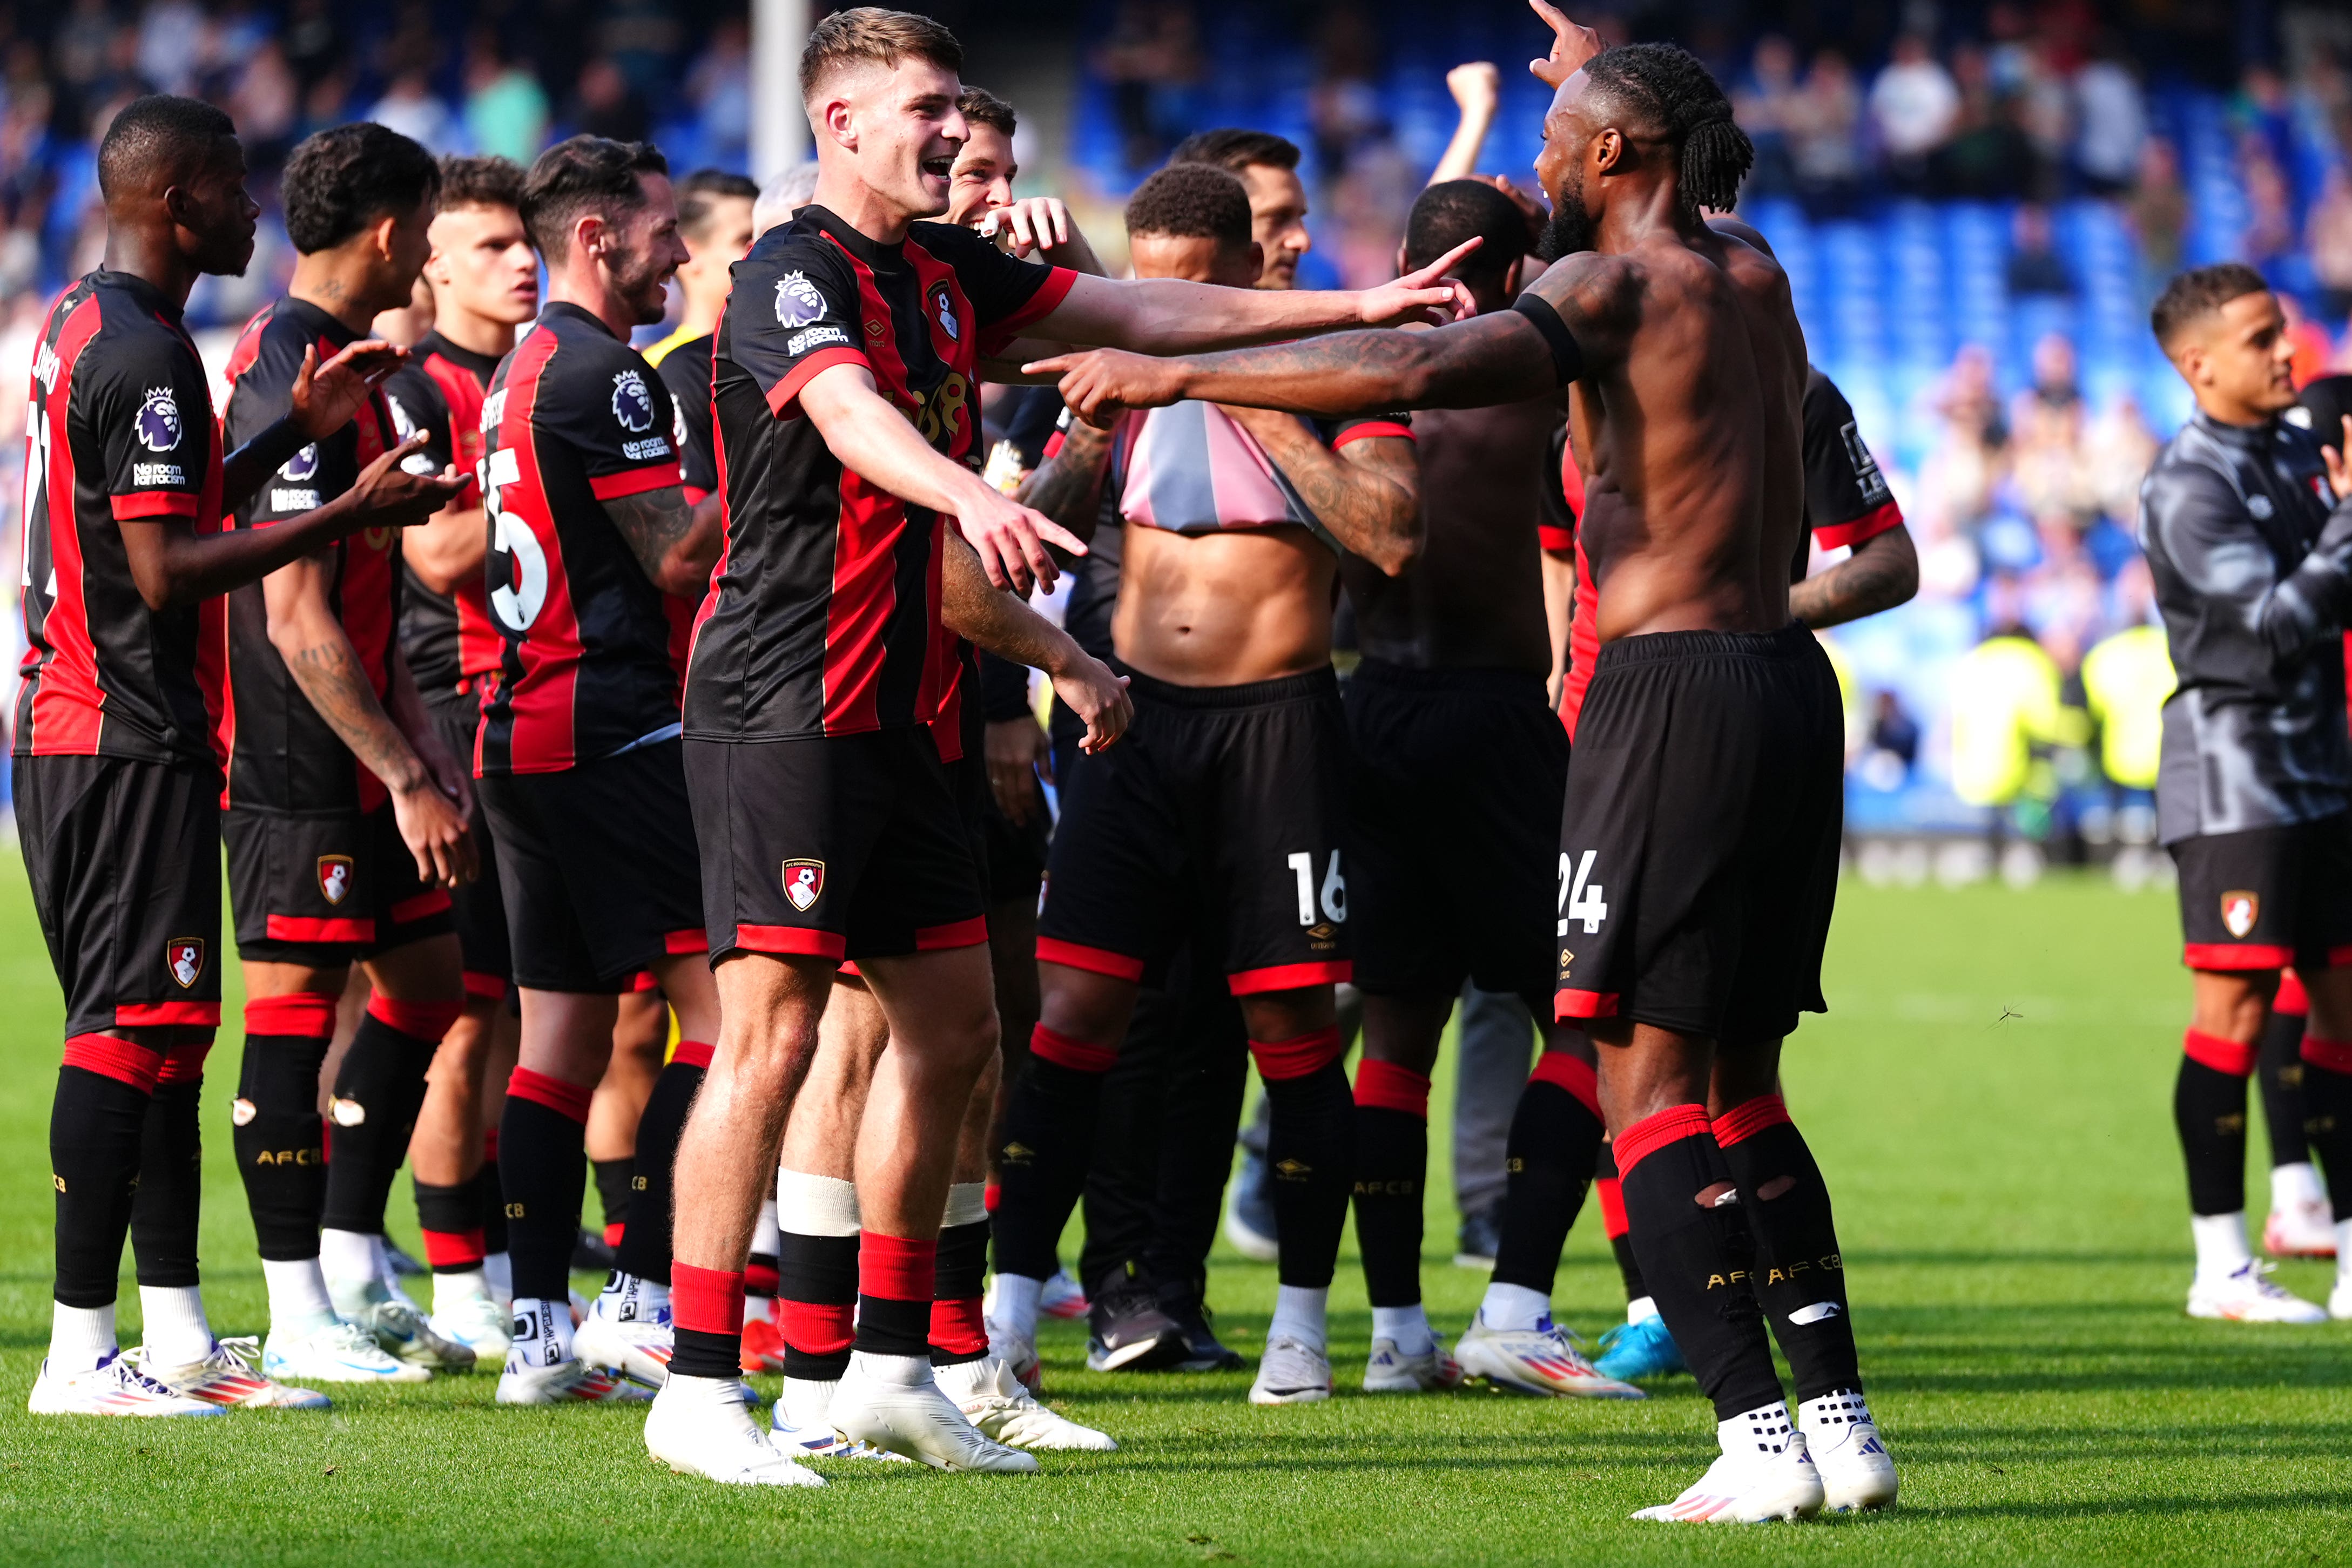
{"type": "Point", "coordinates": [1222, 608]}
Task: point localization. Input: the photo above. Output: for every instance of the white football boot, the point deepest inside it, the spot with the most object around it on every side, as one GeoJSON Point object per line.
{"type": "Point", "coordinates": [573, 1382]}
{"type": "Point", "coordinates": [637, 1348]}
{"type": "Point", "coordinates": [1001, 1407]}
{"type": "Point", "coordinates": [1063, 1296]}
{"type": "Point", "coordinates": [1857, 1472]}
{"type": "Point", "coordinates": [800, 1424]}
{"type": "Point", "coordinates": [2248, 1295]}
{"type": "Point", "coordinates": [476, 1321]}
{"type": "Point", "coordinates": [339, 1353]}
{"type": "Point", "coordinates": [1388, 1370]}
{"type": "Point", "coordinates": [231, 1377]}
{"type": "Point", "coordinates": [114, 1387]}
{"type": "Point", "coordinates": [1018, 1351]}
{"type": "Point", "coordinates": [893, 1403]}
{"type": "Point", "coordinates": [701, 1427]}
{"type": "Point", "coordinates": [407, 1336]}
{"type": "Point", "coordinates": [2302, 1228]}
{"type": "Point", "coordinates": [1292, 1372]}
{"type": "Point", "coordinates": [1764, 1472]}
{"type": "Point", "coordinates": [1541, 1360]}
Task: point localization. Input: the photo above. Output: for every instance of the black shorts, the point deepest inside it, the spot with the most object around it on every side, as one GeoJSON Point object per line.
{"type": "Point", "coordinates": [1010, 856]}
{"type": "Point", "coordinates": [1699, 842]}
{"type": "Point", "coordinates": [2267, 897]}
{"type": "Point", "coordinates": [1217, 818]}
{"type": "Point", "coordinates": [325, 888]}
{"type": "Point", "coordinates": [850, 846]}
{"type": "Point", "coordinates": [124, 861]}
{"type": "Point", "coordinates": [1454, 826]}
{"type": "Point", "coordinates": [599, 866]}
{"type": "Point", "coordinates": [479, 908]}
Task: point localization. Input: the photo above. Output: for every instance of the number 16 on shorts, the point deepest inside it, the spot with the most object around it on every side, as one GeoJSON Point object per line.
{"type": "Point", "coordinates": [1580, 896]}
{"type": "Point", "coordinates": [1332, 896]}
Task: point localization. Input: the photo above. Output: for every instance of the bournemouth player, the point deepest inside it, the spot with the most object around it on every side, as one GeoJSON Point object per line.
{"type": "Point", "coordinates": [345, 819]}
{"type": "Point", "coordinates": [1222, 821]}
{"type": "Point", "coordinates": [116, 785]}
{"type": "Point", "coordinates": [484, 285]}
{"type": "Point", "coordinates": [845, 365]}
{"type": "Point", "coordinates": [578, 754]}
{"type": "Point", "coordinates": [1704, 809]}
{"type": "Point", "coordinates": [2249, 537]}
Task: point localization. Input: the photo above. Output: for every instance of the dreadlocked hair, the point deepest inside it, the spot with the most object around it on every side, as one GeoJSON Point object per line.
{"type": "Point", "coordinates": [1667, 84]}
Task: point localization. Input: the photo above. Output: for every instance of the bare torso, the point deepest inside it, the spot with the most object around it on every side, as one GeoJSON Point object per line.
{"type": "Point", "coordinates": [1474, 600]}
{"type": "Point", "coordinates": [1221, 609]}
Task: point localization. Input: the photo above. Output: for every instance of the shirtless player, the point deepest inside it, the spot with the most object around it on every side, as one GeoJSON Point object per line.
{"type": "Point", "coordinates": [1704, 804]}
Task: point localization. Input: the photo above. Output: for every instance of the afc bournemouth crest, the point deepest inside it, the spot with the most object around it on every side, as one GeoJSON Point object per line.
{"type": "Point", "coordinates": [2240, 910]}
{"type": "Point", "coordinates": [943, 307]}
{"type": "Point", "coordinates": [185, 956]}
{"type": "Point", "coordinates": [335, 877]}
{"type": "Point", "coordinates": [803, 882]}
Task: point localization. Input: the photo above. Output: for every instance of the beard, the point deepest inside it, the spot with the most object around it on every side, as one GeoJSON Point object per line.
{"type": "Point", "coordinates": [1571, 228]}
{"type": "Point", "coordinates": [645, 286]}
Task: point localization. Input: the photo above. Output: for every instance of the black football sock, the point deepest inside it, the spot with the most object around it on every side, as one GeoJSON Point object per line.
{"type": "Point", "coordinates": [896, 1277]}
{"type": "Point", "coordinates": [1678, 1195]}
{"type": "Point", "coordinates": [958, 1332]}
{"type": "Point", "coordinates": [646, 1241]}
{"type": "Point", "coordinates": [379, 1090]}
{"type": "Point", "coordinates": [279, 1139]}
{"type": "Point", "coordinates": [1049, 1131]}
{"type": "Point", "coordinates": [2279, 1068]}
{"type": "Point", "coordinates": [1548, 1163]}
{"type": "Point", "coordinates": [816, 1274]}
{"type": "Point", "coordinates": [450, 1217]}
{"type": "Point", "coordinates": [1309, 1150]}
{"type": "Point", "coordinates": [1391, 1163]}
{"type": "Point", "coordinates": [169, 1207]}
{"type": "Point", "coordinates": [543, 1137]}
{"type": "Point", "coordinates": [616, 1186]}
{"type": "Point", "coordinates": [1611, 1198]}
{"type": "Point", "coordinates": [2209, 1104]}
{"type": "Point", "coordinates": [1799, 1276]}
{"type": "Point", "coordinates": [494, 1195]}
{"type": "Point", "coordinates": [2327, 1116]}
{"type": "Point", "coordinates": [97, 1128]}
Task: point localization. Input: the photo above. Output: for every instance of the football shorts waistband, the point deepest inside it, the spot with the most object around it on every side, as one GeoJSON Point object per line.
{"type": "Point", "coordinates": [1309, 687]}
{"type": "Point", "coordinates": [1789, 641]}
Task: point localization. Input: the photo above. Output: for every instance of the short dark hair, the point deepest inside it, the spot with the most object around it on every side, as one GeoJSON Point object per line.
{"type": "Point", "coordinates": [2197, 293]}
{"type": "Point", "coordinates": [158, 134]}
{"type": "Point", "coordinates": [1192, 201]}
{"type": "Point", "coordinates": [869, 34]}
{"type": "Point", "coordinates": [580, 176]}
{"type": "Point", "coordinates": [699, 193]}
{"type": "Point", "coordinates": [984, 108]}
{"type": "Point", "coordinates": [1666, 83]}
{"type": "Point", "coordinates": [345, 177]}
{"type": "Point", "coordinates": [1451, 211]}
{"type": "Point", "coordinates": [480, 180]}
{"type": "Point", "coordinates": [1233, 149]}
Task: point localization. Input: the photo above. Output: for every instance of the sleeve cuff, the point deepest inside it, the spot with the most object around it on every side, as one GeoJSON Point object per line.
{"type": "Point", "coordinates": [696, 494]}
{"type": "Point", "coordinates": [1555, 541]}
{"type": "Point", "coordinates": [633, 481]}
{"type": "Point", "coordinates": [1372, 430]}
{"type": "Point", "coordinates": [784, 396]}
{"type": "Point", "coordinates": [1868, 526]}
{"type": "Point", "coordinates": [1036, 308]}
{"type": "Point", "coordinates": [155, 504]}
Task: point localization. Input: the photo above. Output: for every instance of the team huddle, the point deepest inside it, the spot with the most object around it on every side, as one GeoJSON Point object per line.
{"type": "Point", "coordinates": [542, 693]}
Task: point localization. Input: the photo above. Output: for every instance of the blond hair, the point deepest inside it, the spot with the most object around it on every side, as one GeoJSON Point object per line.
{"type": "Point", "coordinates": [870, 35]}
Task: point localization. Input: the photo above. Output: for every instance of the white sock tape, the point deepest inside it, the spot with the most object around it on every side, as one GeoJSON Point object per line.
{"type": "Point", "coordinates": [815, 1204]}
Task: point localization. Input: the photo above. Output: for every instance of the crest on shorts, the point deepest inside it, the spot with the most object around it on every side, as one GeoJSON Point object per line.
{"type": "Point", "coordinates": [803, 884]}
{"type": "Point", "coordinates": [335, 877]}
{"type": "Point", "coordinates": [185, 956]}
{"type": "Point", "coordinates": [2240, 910]}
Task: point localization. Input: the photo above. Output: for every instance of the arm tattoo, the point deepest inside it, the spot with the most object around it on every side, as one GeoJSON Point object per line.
{"type": "Point", "coordinates": [1368, 496]}
{"type": "Point", "coordinates": [651, 525]}
{"type": "Point", "coordinates": [1492, 359]}
{"type": "Point", "coordinates": [1066, 484]}
{"type": "Point", "coordinates": [988, 618]}
{"type": "Point", "coordinates": [328, 674]}
{"type": "Point", "coordinates": [1879, 575]}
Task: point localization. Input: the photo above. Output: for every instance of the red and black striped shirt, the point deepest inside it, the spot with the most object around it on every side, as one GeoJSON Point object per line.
{"type": "Point", "coordinates": [282, 756]}
{"type": "Point", "coordinates": [439, 392]}
{"type": "Point", "coordinates": [120, 426]}
{"type": "Point", "coordinates": [575, 418]}
{"type": "Point", "coordinates": [823, 614]}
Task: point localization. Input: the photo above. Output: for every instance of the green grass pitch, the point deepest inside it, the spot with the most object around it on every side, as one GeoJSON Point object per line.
{"type": "Point", "coordinates": [1990, 1100]}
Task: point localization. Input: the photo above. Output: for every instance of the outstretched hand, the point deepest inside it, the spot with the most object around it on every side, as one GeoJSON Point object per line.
{"type": "Point", "coordinates": [1424, 296]}
{"type": "Point", "coordinates": [1571, 46]}
{"type": "Point", "coordinates": [1100, 384]}
{"type": "Point", "coordinates": [325, 397]}
{"type": "Point", "coordinates": [2339, 463]}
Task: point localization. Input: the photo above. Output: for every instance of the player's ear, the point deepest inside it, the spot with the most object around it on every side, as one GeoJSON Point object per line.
{"type": "Point", "coordinates": [1257, 258]}
{"type": "Point", "coordinates": [1402, 266]}
{"type": "Point", "coordinates": [1511, 278]}
{"type": "Point", "coordinates": [1608, 150]}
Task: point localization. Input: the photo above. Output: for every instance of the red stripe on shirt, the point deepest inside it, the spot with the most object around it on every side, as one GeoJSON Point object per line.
{"type": "Point", "coordinates": [634, 481]}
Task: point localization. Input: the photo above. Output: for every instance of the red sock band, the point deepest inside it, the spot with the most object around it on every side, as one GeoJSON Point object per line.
{"type": "Point", "coordinates": [957, 1328]}
{"type": "Point", "coordinates": [1564, 1070]}
{"type": "Point", "coordinates": [613, 1231]}
{"type": "Point", "coordinates": [1300, 1056]}
{"type": "Point", "coordinates": [453, 1249]}
{"type": "Point", "coordinates": [568, 1099]}
{"type": "Point", "coordinates": [1385, 1086]}
{"type": "Point", "coordinates": [1613, 1222]}
{"type": "Point", "coordinates": [183, 1062]}
{"type": "Point", "coordinates": [988, 1194]}
{"type": "Point", "coordinates": [693, 1054]}
{"type": "Point", "coordinates": [759, 1280]}
{"type": "Point", "coordinates": [2291, 998]}
{"type": "Point", "coordinates": [1745, 1120]}
{"type": "Point", "coordinates": [123, 1060]}
{"type": "Point", "coordinates": [2327, 1055]}
{"type": "Point", "coordinates": [306, 1013]}
{"type": "Point", "coordinates": [2220, 1055]}
{"type": "Point", "coordinates": [813, 1328]}
{"type": "Point", "coordinates": [427, 1022]}
{"type": "Point", "coordinates": [1075, 1054]}
{"type": "Point", "coordinates": [708, 1300]}
{"type": "Point", "coordinates": [897, 1267]}
{"type": "Point", "coordinates": [1670, 1125]}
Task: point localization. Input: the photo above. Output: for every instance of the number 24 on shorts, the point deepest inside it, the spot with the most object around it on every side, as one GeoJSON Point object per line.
{"type": "Point", "coordinates": [1579, 897]}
